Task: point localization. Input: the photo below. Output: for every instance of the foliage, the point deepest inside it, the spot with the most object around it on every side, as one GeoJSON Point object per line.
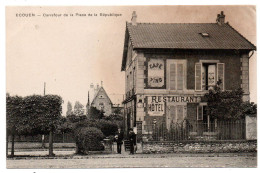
{"type": "Point", "coordinates": [227, 105]}
{"type": "Point", "coordinates": [65, 125]}
{"type": "Point", "coordinates": [74, 119]}
{"type": "Point", "coordinates": [41, 114]}
{"type": "Point", "coordinates": [13, 114]}
{"type": "Point", "coordinates": [107, 127]}
{"type": "Point", "coordinates": [117, 111]}
{"type": "Point", "coordinates": [114, 117]}
{"type": "Point", "coordinates": [88, 139]}
{"type": "Point", "coordinates": [249, 108]}
{"type": "Point", "coordinates": [78, 109]}
{"type": "Point", "coordinates": [69, 109]}
{"type": "Point", "coordinates": [94, 113]}
{"type": "Point", "coordinates": [33, 114]}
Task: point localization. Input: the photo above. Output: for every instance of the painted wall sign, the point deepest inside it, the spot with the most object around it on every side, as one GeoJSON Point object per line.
{"type": "Point", "coordinates": [155, 107]}
{"type": "Point", "coordinates": [156, 104]}
{"type": "Point", "coordinates": [155, 72]}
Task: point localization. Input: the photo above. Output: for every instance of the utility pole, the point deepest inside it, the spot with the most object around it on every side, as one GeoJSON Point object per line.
{"type": "Point", "coordinates": [43, 146]}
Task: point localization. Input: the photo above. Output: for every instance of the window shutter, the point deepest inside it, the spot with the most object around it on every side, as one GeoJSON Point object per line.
{"type": "Point", "coordinates": [220, 74]}
{"type": "Point", "coordinates": [180, 77]}
{"type": "Point", "coordinates": [198, 77]}
{"type": "Point", "coordinates": [199, 113]}
{"type": "Point", "coordinates": [173, 76]}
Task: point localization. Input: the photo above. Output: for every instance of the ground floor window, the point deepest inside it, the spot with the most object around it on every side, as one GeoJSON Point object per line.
{"type": "Point", "coordinates": [208, 123]}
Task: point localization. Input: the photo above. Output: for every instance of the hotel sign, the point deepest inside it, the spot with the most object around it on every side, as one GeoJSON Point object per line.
{"type": "Point", "coordinates": [156, 104]}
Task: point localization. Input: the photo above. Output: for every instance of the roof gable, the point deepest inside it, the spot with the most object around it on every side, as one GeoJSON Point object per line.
{"type": "Point", "coordinates": [101, 91]}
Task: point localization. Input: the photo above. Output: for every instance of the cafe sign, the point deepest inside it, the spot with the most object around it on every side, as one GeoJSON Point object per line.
{"type": "Point", "coordinates": [156, 73]}
{"type": "Point", "coordinates": [156, 104]}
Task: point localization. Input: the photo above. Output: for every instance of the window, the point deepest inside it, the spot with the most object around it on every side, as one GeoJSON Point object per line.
{"type": "Point", "coordinates": [209, 123]}
{"type": "Point", "coordinates": [177, 74]}
{"type": "Point", "coordinates": [101, 106]}
{"type": "Point", "coordinates": [101, 97]}
{"type": "Point", "coordinates": [207, 74]}
{"type": "Point", "coordinates": [200, 113]}
{"type": "Point", "coordinates": [176, 114]}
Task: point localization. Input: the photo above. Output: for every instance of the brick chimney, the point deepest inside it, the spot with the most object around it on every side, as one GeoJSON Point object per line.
{"type": "Point", "coordinates": [220, 18]}
{"type": "Point", "coordinates": [134, 16]}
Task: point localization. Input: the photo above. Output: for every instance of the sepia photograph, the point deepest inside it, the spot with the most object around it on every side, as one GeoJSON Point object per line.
{"type": "Point", "coordinates": [148, 86]}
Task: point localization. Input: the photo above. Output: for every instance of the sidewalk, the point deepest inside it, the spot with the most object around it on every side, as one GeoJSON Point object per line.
{"type": "Point", "coordinates": [66, 153]}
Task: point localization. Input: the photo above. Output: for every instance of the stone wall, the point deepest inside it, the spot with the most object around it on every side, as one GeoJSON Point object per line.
{"type": "Point", "coordinates": [200, 147]}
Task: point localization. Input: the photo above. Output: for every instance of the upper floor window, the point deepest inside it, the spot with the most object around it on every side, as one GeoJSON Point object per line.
{"type": "Point", "coordinates": [176, 71]}
{"type": "Point", "coordinates": [207, 74]}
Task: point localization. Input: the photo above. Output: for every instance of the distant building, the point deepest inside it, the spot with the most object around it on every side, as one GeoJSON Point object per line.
{"type": "Point", "coordinates": [98, 98]}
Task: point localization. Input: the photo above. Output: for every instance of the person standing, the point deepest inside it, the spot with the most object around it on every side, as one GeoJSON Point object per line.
{"type": "Point", "coordinates": [132, 140]}
{"type": "Point", "coordinates": [119, 140]}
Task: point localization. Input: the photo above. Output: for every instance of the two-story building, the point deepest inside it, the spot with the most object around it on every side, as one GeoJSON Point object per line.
{"type": "Point", "coordinates": [170, 66]}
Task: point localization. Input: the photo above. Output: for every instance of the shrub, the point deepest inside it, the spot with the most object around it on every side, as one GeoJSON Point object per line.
{"type": "Point", "coordinates": [107, 127]}
{"type": "Point", "coordinates": [88, 139]}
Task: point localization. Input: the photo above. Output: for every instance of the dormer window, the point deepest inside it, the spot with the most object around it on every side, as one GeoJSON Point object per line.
{"type": "Point", "coordinates": [204, 34]}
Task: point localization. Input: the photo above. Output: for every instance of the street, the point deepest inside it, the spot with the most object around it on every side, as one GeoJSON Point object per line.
{"type": "Point", "coordinates": [140, 160]}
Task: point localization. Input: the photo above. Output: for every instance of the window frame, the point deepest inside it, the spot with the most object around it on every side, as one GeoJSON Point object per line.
{"type": "Point", "coordinates": [201, 62]}
{"type": "Point", "coordinates": [176, 61]}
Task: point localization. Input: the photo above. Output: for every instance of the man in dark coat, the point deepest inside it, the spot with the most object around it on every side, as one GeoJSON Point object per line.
{"type": "Point", "coordinates": [119, 140]}
{"type": "Point", "coordinates": [132, 140]}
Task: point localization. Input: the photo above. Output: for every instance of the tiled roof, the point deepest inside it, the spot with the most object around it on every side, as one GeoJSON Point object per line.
{"type": "Point", "coordinates": [186, 36]}
{"type": "Point", "coordinates": [183, 36]}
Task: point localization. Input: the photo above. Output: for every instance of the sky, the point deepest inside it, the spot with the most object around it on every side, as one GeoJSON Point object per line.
{"type": "Point", "coordinates": [69, 53]}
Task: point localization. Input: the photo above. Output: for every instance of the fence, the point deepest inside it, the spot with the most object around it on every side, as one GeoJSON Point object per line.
{"type": "Point", "coordinates": [221, 130]}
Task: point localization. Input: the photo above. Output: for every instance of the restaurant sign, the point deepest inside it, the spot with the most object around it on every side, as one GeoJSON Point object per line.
{"type": "Point", "coordinates": [156, 104]}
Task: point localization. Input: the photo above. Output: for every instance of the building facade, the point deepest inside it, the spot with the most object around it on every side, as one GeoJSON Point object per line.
{"type": "Point", "coordinates": [99, 99]}
{"type": "Point", "coordinates": [169, 67]}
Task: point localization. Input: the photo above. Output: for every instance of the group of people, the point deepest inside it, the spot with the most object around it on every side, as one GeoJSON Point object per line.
{"type": "Point", "coordinates": [132, 140]}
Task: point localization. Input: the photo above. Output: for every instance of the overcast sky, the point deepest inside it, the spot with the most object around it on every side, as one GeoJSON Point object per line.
{"type": "Point", "coordinates": [70, 53]}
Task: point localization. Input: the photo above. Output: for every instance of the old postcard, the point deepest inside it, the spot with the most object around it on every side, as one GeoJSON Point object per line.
{"type": "Point", "coordinates": [131, 86]}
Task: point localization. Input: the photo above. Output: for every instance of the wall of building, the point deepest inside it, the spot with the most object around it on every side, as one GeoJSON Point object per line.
{"type": "Point", "coordinates": [230, 58]}
{"type": "Point", "coordinates": [233, 61]}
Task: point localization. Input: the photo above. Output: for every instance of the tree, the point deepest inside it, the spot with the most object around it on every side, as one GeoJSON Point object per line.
{"type": "Point", "coordinates": [33, 115]}
{"type": "Point", "coordinates": [13, 118]}
{"type": "Point", "coordinates": [69, 109]}
{"type": "Point", "coordinates": [226, 105]}
{"type": "Point", "coordinates": [94, 113]}
{"type": "Point", "coordinates": [78, 109]}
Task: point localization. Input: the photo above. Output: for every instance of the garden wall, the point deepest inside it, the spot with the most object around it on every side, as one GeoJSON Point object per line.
{"type": "Point", "coordinates": [199, 147]}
